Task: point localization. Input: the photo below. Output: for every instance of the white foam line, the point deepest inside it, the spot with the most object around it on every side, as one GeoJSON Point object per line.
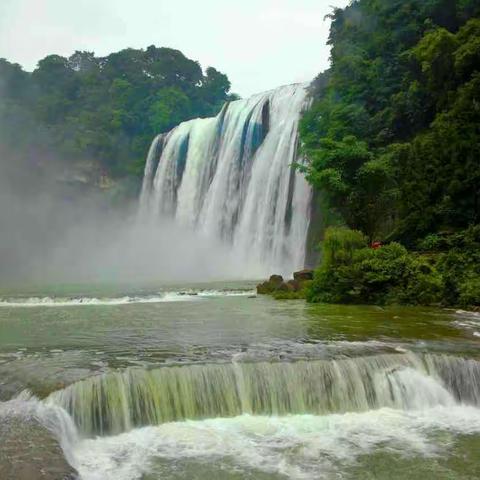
{"type": "Point", "coordinates": [125, 300]}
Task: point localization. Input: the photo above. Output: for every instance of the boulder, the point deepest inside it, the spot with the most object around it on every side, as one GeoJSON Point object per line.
{"type": "Point", "coordinates": [303, 275]}
{"type": "Point", "coordinates": [275, 284]}
{"type": "Point", "coordinates": [276, 279]}
{"type": "Point", "coordinates": [265, 288]}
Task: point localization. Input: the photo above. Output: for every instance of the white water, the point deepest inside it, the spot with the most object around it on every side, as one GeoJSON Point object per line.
{"type": "Point", "coordinates": [421, 407]}
{"type": "Point", "coordinates": [470, 321]}
{"type": "Point", "coordinates": [182, 296]}
{"type": "Point", "coordinates": [296, 447]}
{"type": "Point", "coordinates": [230, 178]}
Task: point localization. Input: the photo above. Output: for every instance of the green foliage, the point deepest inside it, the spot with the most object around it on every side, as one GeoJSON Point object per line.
{"type": "Point", "coordinates": [393, 137]}
{"type": "Point", "coordinates": [469, 292]}
{"type": "Point", "coordinates": [294, 295]}
{"type": "Point", "coordinates": [385, 275]}
{"type": "Point", "coordinates": [460, 268]}
{"type": "Point", "coordinates": [353, 273]}
{"type": "Point", "coordinates": [432, 242]}
{"type": "Point", "coordinates": [169, 108]}
{"type": "Point", "coordinates": [339, 245]}
{"type": "Point", "coordinates": [438, 171]}
{"type": "Point", "coordinates": [104, 109]}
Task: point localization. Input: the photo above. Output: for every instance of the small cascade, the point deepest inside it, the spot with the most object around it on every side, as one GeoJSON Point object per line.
{"type": "Point", "coordinates": [117, 402]}
{"type": "Point", "coordinates": [231, 178]}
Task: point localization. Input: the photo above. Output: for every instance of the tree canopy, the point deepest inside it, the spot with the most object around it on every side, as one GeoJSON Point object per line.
{"type": "Point", "coordinates": [104, 109]}
{"type": "Point", "coordinates": [392, 142]}
{"type": "Point", "coordinates": [393, 135]}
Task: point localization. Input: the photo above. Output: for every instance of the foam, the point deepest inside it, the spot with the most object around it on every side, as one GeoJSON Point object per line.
{"type": "Point", "coordinates": [297, 446]}
{"type": "Point", "coordinates": [182, 296]}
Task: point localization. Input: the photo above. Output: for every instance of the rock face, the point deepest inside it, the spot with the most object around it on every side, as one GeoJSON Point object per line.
{"type": "Point", "coordinates": [277, 284]}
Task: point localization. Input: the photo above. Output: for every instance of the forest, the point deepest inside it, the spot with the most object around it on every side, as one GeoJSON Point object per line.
{"type": "Point", "coordinates": [103, 110]}
{"type": "Point", "coordinates": [392, 142]}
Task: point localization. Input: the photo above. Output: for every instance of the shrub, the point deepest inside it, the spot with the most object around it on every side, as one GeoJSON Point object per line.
{"type": "Point", "coordinates": [386, 275]}
{"type": "Point", "coordinates": [460, 268]}
{"type": "Point", "coordinates": [339, 245]}
{"type": "Point", "coordinates": [469, 292]}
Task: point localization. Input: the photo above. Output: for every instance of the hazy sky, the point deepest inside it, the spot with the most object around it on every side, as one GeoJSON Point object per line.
{"type": "Point", "coordinates": [259, 44]}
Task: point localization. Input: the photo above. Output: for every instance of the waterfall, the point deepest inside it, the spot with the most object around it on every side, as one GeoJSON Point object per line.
{"type": "Point", "coordinates": [230, 178]}
{"type": "Point", "coordinates": [119, 401]}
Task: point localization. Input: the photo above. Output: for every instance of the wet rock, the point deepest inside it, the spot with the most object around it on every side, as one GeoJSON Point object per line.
{"type": "Point", "coordinates": [273, 284]}
{"type": "Point", "coordinates": [265, 288]}
{"type": "Point", "coordinates": [276, 279]}
{"type": "Point", "coordinates": [295, 288]}
{"type": "Point", "coordinates": [303, 275]}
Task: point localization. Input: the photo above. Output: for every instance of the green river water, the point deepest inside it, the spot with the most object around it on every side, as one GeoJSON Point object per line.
{"type": "Point", "coordinates": [210, 381]}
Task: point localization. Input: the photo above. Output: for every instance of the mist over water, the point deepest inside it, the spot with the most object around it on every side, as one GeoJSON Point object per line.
{"type": "Point", "coordinates": [50, 241]}
{"type": "Point", "coordinates": [50, 232]}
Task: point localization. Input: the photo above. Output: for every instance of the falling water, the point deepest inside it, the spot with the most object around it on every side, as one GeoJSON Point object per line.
{"type": "Point", "coordinates": [231, 178]}
{"type": "Point", "coordinates": [118, 402]}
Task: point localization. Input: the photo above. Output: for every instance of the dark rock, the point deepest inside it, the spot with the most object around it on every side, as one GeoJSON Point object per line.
{"type": "Point", "coordinates": [303, 275]}
{"type": "Point", "coordinates": [265, 288]}
{"type": "Point", "coordinates": [276, 279]}
{"type": "Point", "coordinates": [276, 284]}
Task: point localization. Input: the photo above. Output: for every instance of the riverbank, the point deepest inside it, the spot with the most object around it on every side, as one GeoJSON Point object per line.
{"type": "Point", "coordinates": [443, 271]}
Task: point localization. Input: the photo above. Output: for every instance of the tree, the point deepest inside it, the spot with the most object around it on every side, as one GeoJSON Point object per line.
{"type": "Point", "coordinates": [105, 109]}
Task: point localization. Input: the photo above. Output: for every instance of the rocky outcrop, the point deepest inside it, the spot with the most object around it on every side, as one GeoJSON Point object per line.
{"type": "Point", "coordinates": [274, 283]}
{"type": "Point", "coordinates": [277, 286]}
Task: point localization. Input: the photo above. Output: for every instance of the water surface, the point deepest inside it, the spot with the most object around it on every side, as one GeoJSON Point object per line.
{"type": "Point", "coordinates": [211, 381]}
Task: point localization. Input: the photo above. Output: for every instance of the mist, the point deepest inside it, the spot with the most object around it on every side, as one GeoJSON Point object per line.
{"type": "Point", "coordinates": [53, 231]}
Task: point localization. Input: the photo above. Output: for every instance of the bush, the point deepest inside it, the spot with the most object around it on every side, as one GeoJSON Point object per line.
{"type": "Point", "coordinates": [469, 292]}
{"type": "Point", "coordinates": [460, 268]}
{"type": "Point", "coordinates": [339, 245]}
{"type": "Point", "coordinates": [387, 275]}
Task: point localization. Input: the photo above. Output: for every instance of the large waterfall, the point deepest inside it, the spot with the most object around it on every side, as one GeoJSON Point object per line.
{"type": "Point", "coordinates": [230, 178]}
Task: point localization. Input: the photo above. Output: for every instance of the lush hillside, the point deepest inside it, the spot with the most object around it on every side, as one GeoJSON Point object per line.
{"type": "Point", "coordinates": [103, 111]}
{"type": "Point", "coordinates": [393, 137]}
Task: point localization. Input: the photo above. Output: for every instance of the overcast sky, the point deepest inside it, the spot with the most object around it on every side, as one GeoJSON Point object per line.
{"type": "Point", "coordinates": [259, 44]}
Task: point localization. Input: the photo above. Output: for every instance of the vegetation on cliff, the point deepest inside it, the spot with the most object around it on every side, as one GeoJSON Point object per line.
{"type": "Point", "coordinates": [393, 142]}
{"type": "Point", "coordinates": [104, 110]}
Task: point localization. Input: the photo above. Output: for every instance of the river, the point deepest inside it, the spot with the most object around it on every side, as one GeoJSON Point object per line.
{"type": "Point", "coordinates": [210, 381]}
